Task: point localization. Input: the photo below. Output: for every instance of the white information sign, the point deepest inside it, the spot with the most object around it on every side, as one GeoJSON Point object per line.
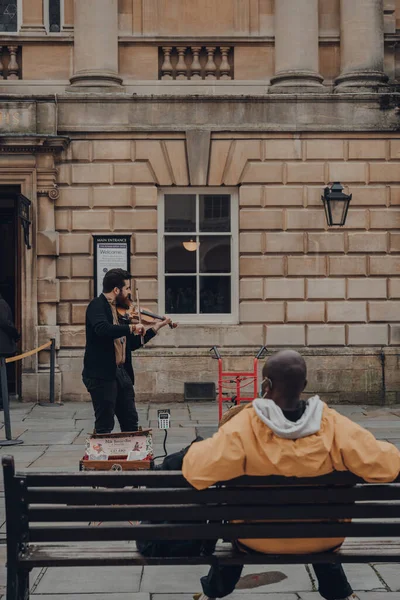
{"type": "Point", "coordinates": [111, 252]}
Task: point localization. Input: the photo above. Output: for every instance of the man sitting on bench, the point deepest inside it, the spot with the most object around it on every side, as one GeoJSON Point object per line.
{"type": "Point", "coordinates": [280, 434]}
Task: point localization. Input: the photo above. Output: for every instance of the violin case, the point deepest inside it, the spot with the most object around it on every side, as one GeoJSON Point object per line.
{"type": "Point", "coordinates": [130, 451]}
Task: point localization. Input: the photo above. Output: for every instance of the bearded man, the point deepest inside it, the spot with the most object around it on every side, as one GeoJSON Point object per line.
{"type": "Point", "coordinates": [107, 365]}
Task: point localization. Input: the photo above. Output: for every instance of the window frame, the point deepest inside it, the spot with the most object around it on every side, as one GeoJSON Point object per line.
{"type": "Point", "coordinates": [209, 318]}
{"type": "Point", "coordinates": [19, 21]}
{"type": "Point", "coordinates": [46, 13]}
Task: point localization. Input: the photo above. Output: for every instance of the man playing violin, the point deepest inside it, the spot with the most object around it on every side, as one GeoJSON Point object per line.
{"type": "Point", "coordinates": [107, 365]}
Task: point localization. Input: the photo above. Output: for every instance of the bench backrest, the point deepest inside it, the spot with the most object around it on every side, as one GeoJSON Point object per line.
{"type": "Point", "coordinates": [56, 507]}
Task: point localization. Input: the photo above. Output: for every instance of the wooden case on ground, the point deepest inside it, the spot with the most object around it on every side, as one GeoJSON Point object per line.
{"type": "Point", "coordinates": [131, 451]}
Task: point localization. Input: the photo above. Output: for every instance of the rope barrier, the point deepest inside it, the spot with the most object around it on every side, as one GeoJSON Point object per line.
{"type": "Point", "coordinates": [30, 353]}
{"type": "Point", "coordinates": [9, 441]}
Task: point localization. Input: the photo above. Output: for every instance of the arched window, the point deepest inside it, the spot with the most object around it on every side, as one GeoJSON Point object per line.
{"type": "Point", "coordinates": [54, 16]}
{"type": "Point", "coordinates": [8, 15]}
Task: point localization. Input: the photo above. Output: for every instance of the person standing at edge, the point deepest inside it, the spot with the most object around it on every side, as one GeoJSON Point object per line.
{"type": "Point", "coordinates": [107, 366]}
{"type": "Point", "coordinates": [8, 334]}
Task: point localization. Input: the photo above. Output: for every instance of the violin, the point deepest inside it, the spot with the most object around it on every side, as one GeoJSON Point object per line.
{"type": "Point", "coordinates": [145, 316]}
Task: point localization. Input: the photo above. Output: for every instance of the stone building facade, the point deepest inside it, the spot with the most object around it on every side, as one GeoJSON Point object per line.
{"type": "Point", "coordinates": [137, 117]}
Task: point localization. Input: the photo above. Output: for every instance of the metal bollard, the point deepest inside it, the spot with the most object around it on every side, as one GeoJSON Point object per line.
{"type": "Point", "coordinates": [6, 407]}
{"type": "Point", "coordinates": [52, 377]}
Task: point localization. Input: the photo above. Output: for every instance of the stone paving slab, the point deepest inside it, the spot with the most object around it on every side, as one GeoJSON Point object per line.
{"type": "Point", "coordinates": [32, 437]}
{"type": "Point", "coordinates": [297, 579]}
{"type": "Point", "coordinates": [363, 577]}
{"type": "Point", "coordinates": [234, 596]}
{"type": "Point", "coordinates": [94, 596]}
{"type": "Point", "coordinates": [55, 440]}
{"type": "Point", "coordinates": [49, 425]}
{"type": "Point", "coordinates": [390, 574]}
{"type": "Point", "coordinates": [94, 580]}
{"type": "Point", "coordinates": [376, 596]}
{"type": "Point", "coordinates": [361, 595]}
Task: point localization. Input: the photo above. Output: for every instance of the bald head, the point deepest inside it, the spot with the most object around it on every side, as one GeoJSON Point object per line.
{"type": "Point", "coordinates": [285, 375]}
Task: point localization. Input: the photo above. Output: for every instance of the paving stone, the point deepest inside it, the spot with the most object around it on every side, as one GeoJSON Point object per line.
{"type": "Point", "coordinates": [22, 449]}
{"type": "Point", "coordinates": [49, 437]}
{"type": "Point", "coordinates": [206, 432]}
{"type": "Point", "coordinates": [58, 460]}
{"type": "Point", "coordinates": [377, 423]}
{"type": "Point", "coordinates": [363, 577]}
{"type": "Point", "coordinates": [378, 595]}
{"type": "Point", "coordinates": [172, 580]}
{"type": "Point", "coordinates": [90, 580]}
{"type": "Point", "coordinates": [233, 596]}
{"type": "Point", "coordinates": [54, 425]}
{"type": "Point", "coordinates": [90, 596]}
{"type": "Point", "coordinates": [297, 579]}
{"type": "Point", "coordinates": [384, 433]}
{"type": "Point", "coordinates": [390, 575]}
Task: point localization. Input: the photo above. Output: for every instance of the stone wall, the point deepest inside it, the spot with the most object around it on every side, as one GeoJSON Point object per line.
{"type": "Point", "coordinates": [301, 285]}
{"type": "Point", "coordinates": [143, 27]}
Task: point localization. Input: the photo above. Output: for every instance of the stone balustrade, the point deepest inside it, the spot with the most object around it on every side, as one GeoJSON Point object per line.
{"type": "Point", "coordinates": [196, 62]}
{"type": "Point", "coordinates": [10, 62]}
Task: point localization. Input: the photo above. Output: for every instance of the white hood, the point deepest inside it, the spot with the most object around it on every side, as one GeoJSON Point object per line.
{"type": "Point", "coordinates": [272, 415]}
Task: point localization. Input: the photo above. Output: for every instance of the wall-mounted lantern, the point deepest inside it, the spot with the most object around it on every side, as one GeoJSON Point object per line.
{"type": "Point", "coordinates": [24, 213]}
{"type": "Point", "coordinates": [336, 204]}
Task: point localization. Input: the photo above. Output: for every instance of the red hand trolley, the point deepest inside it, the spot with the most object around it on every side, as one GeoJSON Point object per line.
{"type": "Point", "coordinates": [231, 383]}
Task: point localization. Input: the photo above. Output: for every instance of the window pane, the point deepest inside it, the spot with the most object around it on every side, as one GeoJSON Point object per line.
{"type": "Point", "coordinates": [215, 213]}
{"type": "Point", "coordinates": [215, 254]}
{"type": "Point", "coordinates": [180, 295]}
{"type": "Point", "coordinates": [215, 294]}
{"type": "Point", "coordinates": [54, 15]}
{"type": "Point", "coordinates": [180, 212]}
{"type": "Point", "coordinates": [177, 258]}
{"type": "Point", "coordinates": [8, 15]}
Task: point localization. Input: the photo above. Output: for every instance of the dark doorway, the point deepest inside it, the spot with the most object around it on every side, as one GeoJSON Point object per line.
{"type": "Point", "coordinates": [10, 260]}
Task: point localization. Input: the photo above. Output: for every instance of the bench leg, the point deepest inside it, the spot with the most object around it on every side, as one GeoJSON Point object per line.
{"type": "Point", "coordinates": [23, 585]}
{"type": "Point", "coordinates": [17, 584]}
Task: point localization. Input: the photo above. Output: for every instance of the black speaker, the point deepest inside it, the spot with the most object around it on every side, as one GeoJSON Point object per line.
{"type": "Point", "coordinates": [199, 390]}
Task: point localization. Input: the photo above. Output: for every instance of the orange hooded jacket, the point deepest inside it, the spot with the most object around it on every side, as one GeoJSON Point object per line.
{"type": "Point", "coordinates": [260, 441]}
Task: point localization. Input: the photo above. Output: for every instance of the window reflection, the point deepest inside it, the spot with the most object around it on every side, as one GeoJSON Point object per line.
{"type": "Point", "coordinates": [180, 212]}
{"type": "Point", "coordinates": [215, 254]}
{"type": "Point", "coordinates": [215, 212]}
{"type": "Point", "coordinates": [177, 258]}
{"type": "Point", "coordinates": [180, 295]}
{"type": "Point", "coordinates": [215, 294]}
{"type": "Point", "coordinates": [8, 15]}
{"type": "Point", "coordinates": [54, 15]}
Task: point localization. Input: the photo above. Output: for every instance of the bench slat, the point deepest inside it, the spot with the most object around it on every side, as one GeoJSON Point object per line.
{"type": "Point", "coordinates": [361, 551]}
{"type": "Point", "coordinates": [169, 479]}
{"type": "Point", "coordinates": [177, 531]}
{"type": "Point", "coordinates": [246, 496]}
{"type": "Point", "coordinates": [197, 512]}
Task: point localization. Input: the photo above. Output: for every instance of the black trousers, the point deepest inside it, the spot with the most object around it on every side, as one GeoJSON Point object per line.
{"type": "Point", "coordinates": [113, 398]}
{"type": "Point", "coordinates": [222, 580]}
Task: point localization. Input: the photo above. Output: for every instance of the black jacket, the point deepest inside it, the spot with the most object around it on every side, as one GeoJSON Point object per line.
{"type": "Point", "coordinates": [99, 360]}
{"type": "Point", "coordinates": [8, 333]}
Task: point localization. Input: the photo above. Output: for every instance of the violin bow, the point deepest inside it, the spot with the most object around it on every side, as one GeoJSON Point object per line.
{"type": "Point", "coordinates": [139, 314]}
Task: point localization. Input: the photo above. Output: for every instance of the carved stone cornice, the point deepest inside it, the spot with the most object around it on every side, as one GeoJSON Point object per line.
{"type": "Point", "coordinates": [32, 144]}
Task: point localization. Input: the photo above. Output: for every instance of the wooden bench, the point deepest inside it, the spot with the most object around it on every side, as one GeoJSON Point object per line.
{"type": "Point", "coordinates": [48, 516]}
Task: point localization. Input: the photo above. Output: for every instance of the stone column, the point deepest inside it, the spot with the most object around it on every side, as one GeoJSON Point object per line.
{"type": "Point", "coordinates": [96, 43]}
{"type": "Point", "coordinates": [296, 45]}
{"type": "Point", "coordinates": [361, 43]}
{"type": "Point", "coordinates": [32, 17]}
{"type": "Point", "coordinates": [48, 284]}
